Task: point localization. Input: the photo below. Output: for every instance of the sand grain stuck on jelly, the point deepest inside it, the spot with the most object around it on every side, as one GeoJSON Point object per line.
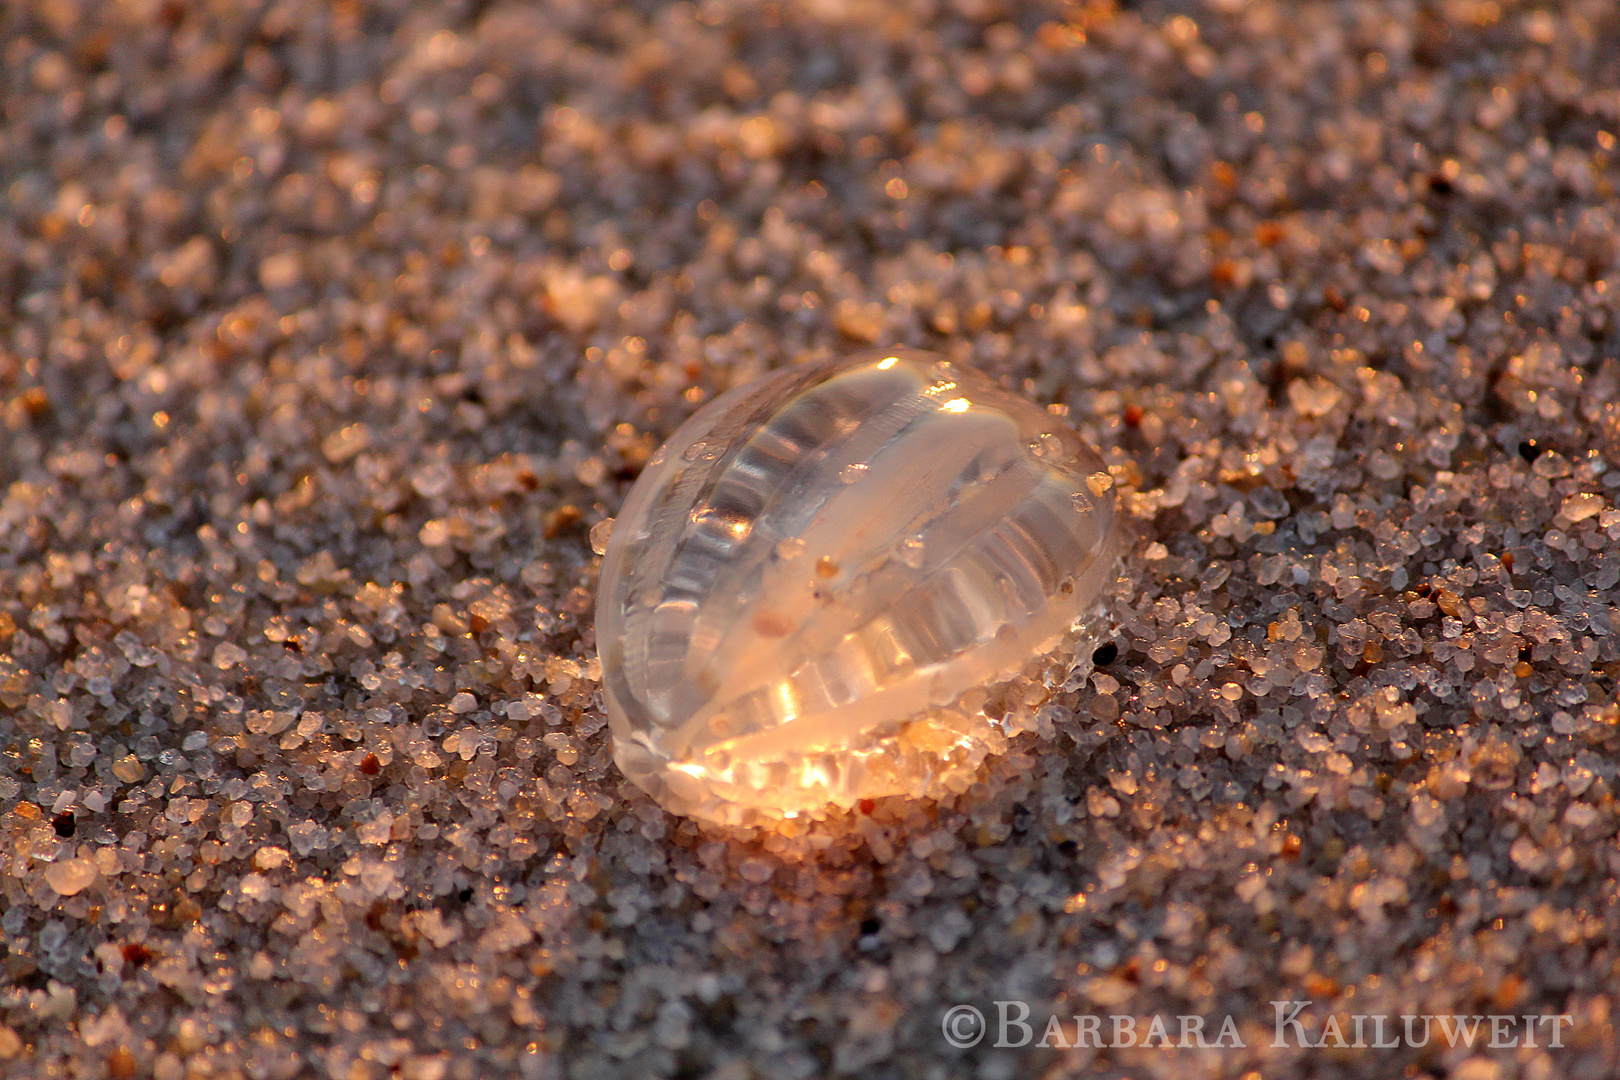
{"type": "Point", "coordinates": [811, 583]}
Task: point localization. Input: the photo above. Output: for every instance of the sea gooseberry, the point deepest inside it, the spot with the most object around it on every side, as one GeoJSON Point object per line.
{"type": "Point", "coordinates": [811, 584]}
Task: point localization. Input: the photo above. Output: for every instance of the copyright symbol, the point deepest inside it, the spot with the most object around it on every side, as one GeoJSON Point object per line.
{"type": "Point", "coordinates": [963, 1026]}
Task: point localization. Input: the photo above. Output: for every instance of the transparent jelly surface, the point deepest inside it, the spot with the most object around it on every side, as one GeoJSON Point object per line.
{"type": "Point", "coordinates": [811, 574]}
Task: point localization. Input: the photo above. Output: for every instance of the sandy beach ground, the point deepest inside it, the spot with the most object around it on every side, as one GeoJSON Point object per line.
{"type": "Point", "coordinates": [331, 332]}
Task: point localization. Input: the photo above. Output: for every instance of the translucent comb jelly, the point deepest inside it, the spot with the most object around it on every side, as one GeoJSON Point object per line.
{"type": "Point", "coordinates": [812, 582]}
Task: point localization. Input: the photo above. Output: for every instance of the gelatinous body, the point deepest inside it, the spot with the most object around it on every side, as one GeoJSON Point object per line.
{"type": "Point", "coordinates": [811, 574]}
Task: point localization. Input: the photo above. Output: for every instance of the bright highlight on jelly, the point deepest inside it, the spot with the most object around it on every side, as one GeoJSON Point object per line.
{"type": "Point", "coordinates": [812, 582]}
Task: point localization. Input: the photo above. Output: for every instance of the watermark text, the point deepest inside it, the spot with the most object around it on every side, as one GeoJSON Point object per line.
{"type": "Point", "coordinates": [1013, 1024]}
